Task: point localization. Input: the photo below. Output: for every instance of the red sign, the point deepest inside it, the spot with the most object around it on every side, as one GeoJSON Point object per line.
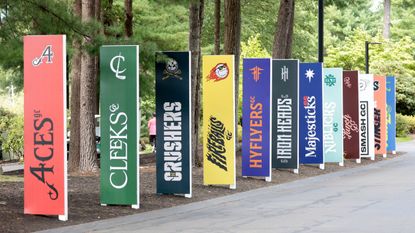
{"type": "Point", "coordinates": [351, 138]}
{"type": "Point", "coordinates": [45, 171]}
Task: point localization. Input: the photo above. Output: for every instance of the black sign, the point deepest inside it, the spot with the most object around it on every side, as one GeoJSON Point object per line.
{"type": "Point", "coordinates": [284, 98]}
{"type": "Point", "coordinates": [173, 122]}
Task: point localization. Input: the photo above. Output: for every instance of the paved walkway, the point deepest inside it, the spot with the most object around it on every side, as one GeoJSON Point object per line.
{"type": "Point", "coordinates": [375, 198]}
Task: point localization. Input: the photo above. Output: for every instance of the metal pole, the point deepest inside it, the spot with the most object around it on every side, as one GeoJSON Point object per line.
{"type": "Point", "coordinates": [320, 30]}
{"type": "Point", "coordinates": [367, 56]}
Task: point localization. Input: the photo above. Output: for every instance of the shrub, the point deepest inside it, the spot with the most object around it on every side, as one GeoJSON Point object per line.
{"type": "Point", "coordinates": [404, 125]}
{"type": "Point", "coordinates": [11, 129]}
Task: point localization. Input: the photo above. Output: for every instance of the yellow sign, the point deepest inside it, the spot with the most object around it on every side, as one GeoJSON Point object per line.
{"type": "Point", "coordinates": [218, 120]}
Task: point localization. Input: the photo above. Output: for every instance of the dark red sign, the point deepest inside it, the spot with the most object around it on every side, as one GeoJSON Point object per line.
{"type": "Point", "coordinates": [45, 179]}
{"type": "Point", "coordinates": [351, 115]}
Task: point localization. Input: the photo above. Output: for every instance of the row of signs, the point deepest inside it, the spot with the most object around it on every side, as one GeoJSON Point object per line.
{"type": "Point", "coordinates": [292, 113]}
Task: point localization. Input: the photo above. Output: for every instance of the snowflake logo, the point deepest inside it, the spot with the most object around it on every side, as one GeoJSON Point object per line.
{"type": "Point", "coordinates": [309, 74]}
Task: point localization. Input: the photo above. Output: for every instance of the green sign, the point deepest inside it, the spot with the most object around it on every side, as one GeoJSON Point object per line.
{"type": "Point", "coordinates": [119, 125]}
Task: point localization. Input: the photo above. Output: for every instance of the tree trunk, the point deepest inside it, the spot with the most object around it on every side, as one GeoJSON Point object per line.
{"type": "Point", "coordinates": [217, 27]}
{"type": "Point", "coordinates": [232, 42]}
{"type": "Point", "coordinates": [98, 13]}
{"type": "Point", "coordinates": [74, 150]}
{"type": "Point", "coordinates": [386, 19]}
{"type": "Point", "coordinates": [107, 21]}
{"type": "Point", "coordinates": [284, 31]}
{"type": "Point", "coordinates": [88, 160]}
{"type": "Point", "coordinates": [195, 30]}
{"type": "Point", "coordinates": [128, 25]}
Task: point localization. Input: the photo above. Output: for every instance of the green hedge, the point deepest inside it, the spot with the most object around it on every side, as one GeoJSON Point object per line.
{"type": "Point", "coordinates": [404, 125]}
{"type": "Point", "coordinates": [11, 132]}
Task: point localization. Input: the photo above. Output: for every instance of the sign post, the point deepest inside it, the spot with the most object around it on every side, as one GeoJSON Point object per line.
{"type": "Point", "coordinates": [333, 115]}
{"type": "Point", "coordinates": [219, 121]}
{"type": "Point", "coordinates": [311, 114]}
{"type": "Point", "coordinates": [256, 115]}
{"type": "Point", "coordinates": [173, 112]}
{"type": "Point", "coordinates": [45, 167]}
{"type": "Point", "coordinates": [120, 125]}
{"type": "Point", "coordinates": [284, 104]}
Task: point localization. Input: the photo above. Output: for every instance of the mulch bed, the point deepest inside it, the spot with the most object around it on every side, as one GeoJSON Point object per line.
{"type": "Point", "coordinates": [84, 203]}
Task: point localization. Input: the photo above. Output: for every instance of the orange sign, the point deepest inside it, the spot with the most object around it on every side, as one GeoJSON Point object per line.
{"type": "Point", "coordinates": [380, 121]}
{"type": "Point", "coordinates": [45, 175]}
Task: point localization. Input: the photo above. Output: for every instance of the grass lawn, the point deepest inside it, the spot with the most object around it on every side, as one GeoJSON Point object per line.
{"type": "Point", "coordinates": [12, 178]}
{"type": "Point", "coordinates": [404, 139]}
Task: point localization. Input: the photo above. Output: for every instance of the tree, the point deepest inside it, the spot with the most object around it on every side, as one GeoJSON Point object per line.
{"type": "Point", "coordinates": [217, 27]}
{"type": "Point", "coordinates": [196, 11]}
{"type": "Point", "coordinates": [284, 30]}
{"type": "Point", "coordinates": [88, 158]}
{"type": "Point", "coordinates": [75, 73]}
{"type": "Point", "coordinates": [232, 42]}
{"type": "Point", "coordinates": [128, 4]}
{"type": "Point", "coordinates": [386, 18]}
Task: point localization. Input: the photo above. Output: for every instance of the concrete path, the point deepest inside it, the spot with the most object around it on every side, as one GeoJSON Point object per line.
{"type": "Point", "coordinates": [375, 198]}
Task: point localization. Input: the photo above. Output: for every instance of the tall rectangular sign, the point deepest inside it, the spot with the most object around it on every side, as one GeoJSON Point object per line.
{"type": "Point", "coordinates": [45, 167]}
{"type": "Point", "coordinates": [120, 125]}
{"type": "Point", "coordinates": [256, 131]}
{"type": "Point", "coordinates": [219, 120]}
{"type": "Point", "coordinates": [311, 114]}
{"type": "Point", "coordinates": [284, 102]}
{"type": "Point", "coordinates": [391, 109]}
{"type": "Point", "coordinates": [333, 115]}
{"type": "Point", "coordinates": [366, 116]}
{"type": "Point", "coordinates": [173, 111]}
{"type": "Point", "coordinates": [379, 87]}
{"type": "Point", "coordinates": [351, 138]}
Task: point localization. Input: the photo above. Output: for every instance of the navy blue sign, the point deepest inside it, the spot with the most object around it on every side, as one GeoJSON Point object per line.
{"type": "Point", "coordinates": [310, 120]}
{"type": "Point", "coordinates": [256, 117]}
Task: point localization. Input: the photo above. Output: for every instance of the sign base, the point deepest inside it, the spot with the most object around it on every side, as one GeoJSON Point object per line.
{"type": "Point", "coordinates": [341, 164]}
{"type": "Point", "coordinates": [103, 204]}
{"type": "Point", "coordinates": [372, 158]}
{"type": "Point", "coordinates": [394, 152]}
{"type": "Point", "coordinates": [63, 217]}
{"type": "Point", "coordinates": [384, 155]}
{"type": "Point", "coordinates": [268, 179]}
{"type": "Point", "coordinates": [296, 171]}
{"type": "Point", "coordinates": [321, 166]}
{"type": "Point", "coordinates": [232, 186]}
{"type": "Point", "coordinates": [186, 195]}
{"type": "Point", "coordinates": [136, 207]}
{"type": "Point", "coordinates": [358, 160]}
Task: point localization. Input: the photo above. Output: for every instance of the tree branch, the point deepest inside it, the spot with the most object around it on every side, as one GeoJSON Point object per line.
{"type": "Point", "coordinates": [49, 11]}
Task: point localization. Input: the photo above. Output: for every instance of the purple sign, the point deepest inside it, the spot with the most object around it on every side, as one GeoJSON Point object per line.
{"type": "Point", "coordinates": [256, 117]}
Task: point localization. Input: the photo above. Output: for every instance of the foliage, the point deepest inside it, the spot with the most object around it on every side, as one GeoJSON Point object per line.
{"type": "Point", "coordinates": [404, 125]}
{"type": "Point", "coordinates": [163, 25]}
{"type": "Point", "coordinates": [148, 107]}
{"type": "Point", "coordinates": [11, 129]}
{"type": "Point", "coordinates": [389, 58]}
